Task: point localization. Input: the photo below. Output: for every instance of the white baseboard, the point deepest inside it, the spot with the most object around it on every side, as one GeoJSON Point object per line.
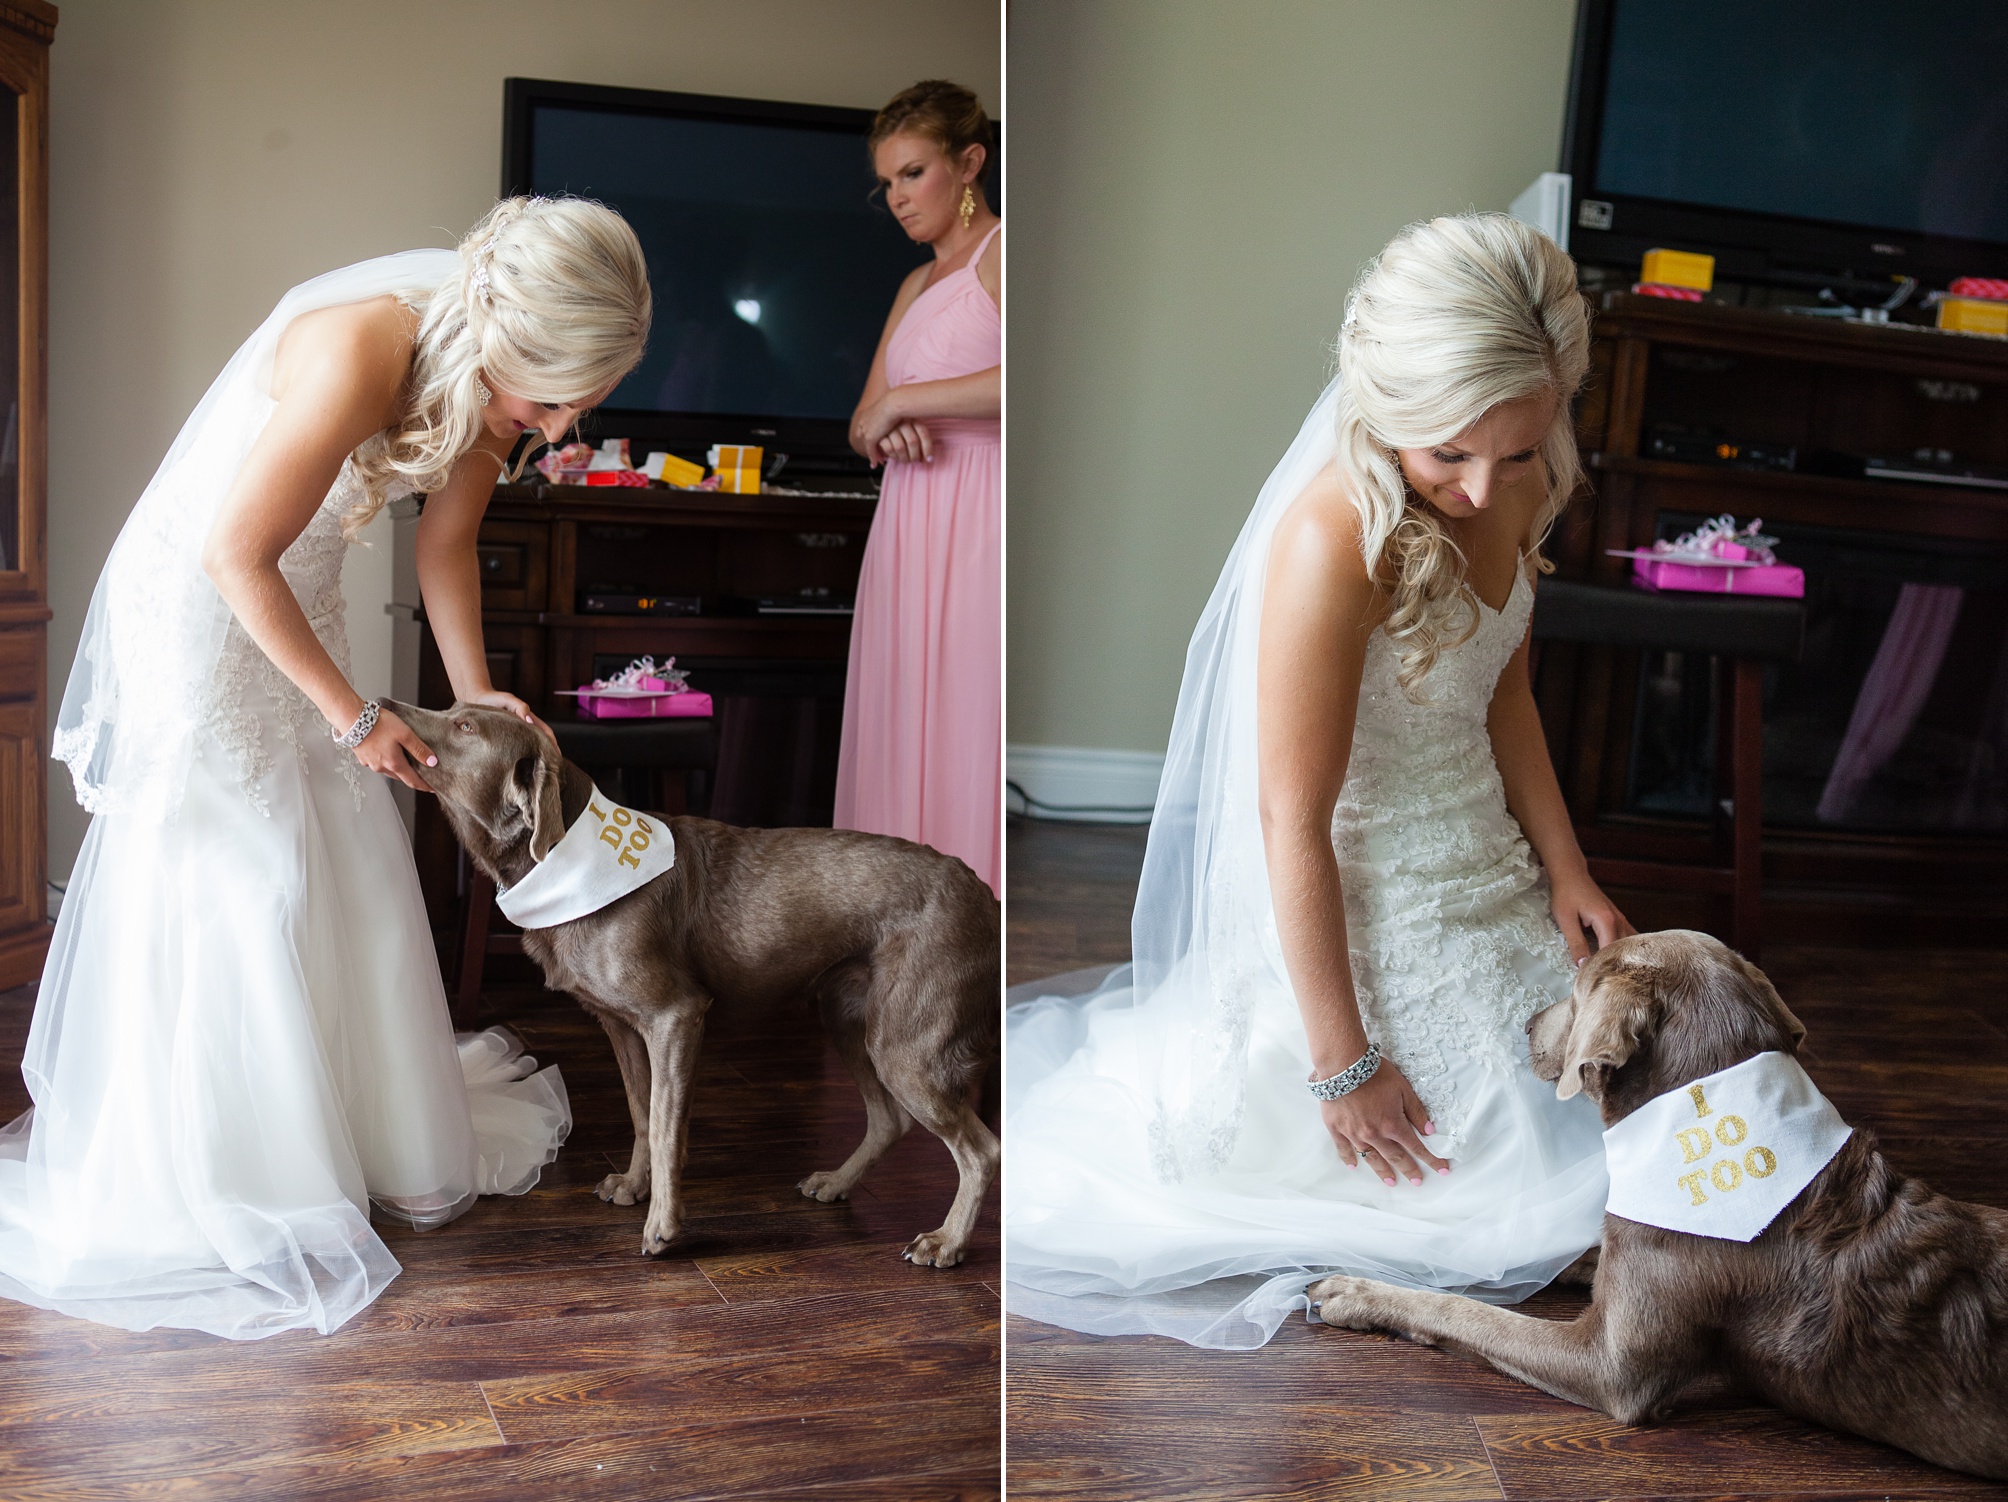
{"type": "Point", "coordinates": [1084, 784]}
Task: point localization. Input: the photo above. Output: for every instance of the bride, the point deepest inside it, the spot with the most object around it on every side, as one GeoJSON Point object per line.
{"type": "Point", "coordinates": [1339, 889]}
{"type": "Point", "coordinates": [240, 1044]}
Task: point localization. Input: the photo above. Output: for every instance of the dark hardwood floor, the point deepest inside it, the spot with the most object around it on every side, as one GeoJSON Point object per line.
{"type": "Point", "coordinates": [529, 1351]}
{"type": "Point", "coordinates": [1912, 1043]}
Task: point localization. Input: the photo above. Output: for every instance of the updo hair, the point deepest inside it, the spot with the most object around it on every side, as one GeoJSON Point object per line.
{"type": "Point", "coordinates": [1455, 316]}
{"type": "Point", "coordinates": [946, 113]}
{"type": "Point", "coordinates": [551, 304]}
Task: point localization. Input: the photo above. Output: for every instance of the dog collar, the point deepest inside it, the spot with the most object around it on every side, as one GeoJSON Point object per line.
{"type": "Point", "coordinates": [607, 853]}
{"type": "Point", "coordinates": [1724, 1155]}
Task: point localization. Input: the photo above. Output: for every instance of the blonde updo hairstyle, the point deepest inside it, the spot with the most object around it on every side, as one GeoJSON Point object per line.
{"type": "Point", "coordinates": [551, 303]}
{"type": "Point", "coordinates": [1454, 317]}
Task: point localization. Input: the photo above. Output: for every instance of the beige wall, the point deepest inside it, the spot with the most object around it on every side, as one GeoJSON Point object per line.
{"type": "Point", "coordinates": [1193, 187]}
{"type": "Point", "coordinates": [208, 154]}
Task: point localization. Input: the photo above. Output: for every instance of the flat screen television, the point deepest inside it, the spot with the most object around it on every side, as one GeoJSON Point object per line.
{"type": "Point", "coordinates": [772, 261]}
{"type": "Point", "coordinates": [1792, 137]}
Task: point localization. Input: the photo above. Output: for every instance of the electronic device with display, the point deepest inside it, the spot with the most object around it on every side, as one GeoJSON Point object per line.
{"type": "Point", "coordinates": [1796, 138]}
{"type": "Point", "coordinates": [772, 261]}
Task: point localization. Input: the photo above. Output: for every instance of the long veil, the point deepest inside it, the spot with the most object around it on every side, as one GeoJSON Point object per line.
{"type": "Point", "coordinates": [1204, 946]}
{"type": "Point", "coordinates": [146, 663]}
{"type": "Point", "coordinates": [1203, 935]}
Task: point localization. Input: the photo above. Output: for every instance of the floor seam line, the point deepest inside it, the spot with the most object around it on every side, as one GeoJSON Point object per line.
{"type": "Point", "coordinates": [1485, 1449]}
{"type": "Point", "coordinates": [486, 1402]}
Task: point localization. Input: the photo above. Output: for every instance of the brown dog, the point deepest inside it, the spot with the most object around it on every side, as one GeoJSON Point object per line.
{"type": "Point", "coordinates": [1870, 1304]}
{"type": "Point", "coordinates": [896, 943]}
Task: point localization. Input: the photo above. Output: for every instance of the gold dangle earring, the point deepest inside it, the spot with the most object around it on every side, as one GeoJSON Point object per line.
{"type": "Point", "coordinates": [967, 208]}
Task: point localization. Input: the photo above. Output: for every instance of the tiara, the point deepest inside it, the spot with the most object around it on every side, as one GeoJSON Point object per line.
{"type": "Point", "coordinates": [482, 257]}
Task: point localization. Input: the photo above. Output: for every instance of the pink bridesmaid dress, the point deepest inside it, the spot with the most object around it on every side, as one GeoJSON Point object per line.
{"type": "Point", "coordinates": [922, 753]}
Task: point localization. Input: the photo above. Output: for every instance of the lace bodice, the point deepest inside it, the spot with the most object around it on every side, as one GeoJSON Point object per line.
{"type": "Point", "coordinates": [313, 567]}
{"type": "Point", "coordinates": [1445, 902]}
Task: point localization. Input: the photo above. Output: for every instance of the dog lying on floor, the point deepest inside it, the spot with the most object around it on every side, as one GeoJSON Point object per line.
{"type": "Point", "coordinates": [898, 945]}
{"type": "Point", "coordinates": [1869, 1303]}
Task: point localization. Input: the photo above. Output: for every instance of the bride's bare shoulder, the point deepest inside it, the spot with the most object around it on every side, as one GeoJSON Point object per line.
{"type": "Point", "coordinates": [363, 349]}
{"type": "Point", "coordinates": [1316, 546]}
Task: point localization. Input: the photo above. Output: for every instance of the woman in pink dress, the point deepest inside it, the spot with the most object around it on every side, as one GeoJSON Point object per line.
{"type": "Point", "coordinates": [922, 752]}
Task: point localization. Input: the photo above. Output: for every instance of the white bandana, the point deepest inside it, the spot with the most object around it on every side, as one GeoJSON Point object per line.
{"type": "Point", "coordinates": [606, 854]}
{"type": "Point", "coordinates": [1722, 1156]}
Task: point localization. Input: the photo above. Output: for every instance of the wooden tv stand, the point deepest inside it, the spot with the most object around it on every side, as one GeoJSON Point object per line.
{"type": "Point", "coordinates": [778, 681]}
{"type": "Point", "coordinates": [1786, 381]}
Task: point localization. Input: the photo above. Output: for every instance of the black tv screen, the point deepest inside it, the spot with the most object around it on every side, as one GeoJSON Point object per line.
{"type": "Point", "coordinates": [1865, 134]}
{"type": "Point", "coordinates": [772, 261]}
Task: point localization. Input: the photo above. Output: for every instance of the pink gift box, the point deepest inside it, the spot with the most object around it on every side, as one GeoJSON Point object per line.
{"type": "Point", "coordinates": [622, 704]}
{"type": "Point", "coordinates": [1778, 579]}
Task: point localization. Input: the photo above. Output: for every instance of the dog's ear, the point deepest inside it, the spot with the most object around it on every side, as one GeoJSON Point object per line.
{"type": "Point", "coordinates": [1770, 1000]}
{"type": "Point", "coordinates": [533, 789]}
{"type": "Point", "coordinates": [1606, 1028]}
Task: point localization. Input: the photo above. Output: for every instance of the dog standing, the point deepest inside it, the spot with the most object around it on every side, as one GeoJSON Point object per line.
{"type": "Point", "coordinates": [1870, 1304]}
{"type": "Point", "coordinates": [897, 944]}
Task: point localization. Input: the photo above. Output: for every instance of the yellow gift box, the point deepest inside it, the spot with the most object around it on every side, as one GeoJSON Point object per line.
{"type": "Point", "coordinates": [1679, 268]}
{"type": "Point", "coordinates": [1972, 315]}
{"type": "Point", "coordinates": [673, 471]}
{"type": "Point", "coordinates": [738, 467]}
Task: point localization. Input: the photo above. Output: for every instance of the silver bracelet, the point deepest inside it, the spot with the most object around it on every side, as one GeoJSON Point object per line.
{"type": "Point", "coordinates": [357, 733]}
{"type": "Point", "coordinates": [1349, 1079]}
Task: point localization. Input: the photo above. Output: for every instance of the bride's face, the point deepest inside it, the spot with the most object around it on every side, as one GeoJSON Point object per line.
{"type": "Point", "coordinates": [508, 416]}
{"type": "Point", "coordinates": [923, 185]}
{"type": "Point", "coordinates": [1496, 460]}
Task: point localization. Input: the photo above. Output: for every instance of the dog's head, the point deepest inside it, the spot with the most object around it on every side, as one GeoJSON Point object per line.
{"type": "Point", "coordinates": [1651, 1012]}
{"type": "Point", "coordinates": [499, 781]}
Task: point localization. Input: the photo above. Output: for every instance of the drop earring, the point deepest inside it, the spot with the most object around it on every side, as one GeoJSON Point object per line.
{"type": "Point", "coordinates": [481, 392]}
{"type": "Point", "coordinates": [967, 208]}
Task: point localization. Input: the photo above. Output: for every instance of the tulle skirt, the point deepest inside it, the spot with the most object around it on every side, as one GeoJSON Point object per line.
{"type": "Point", "coordinates": [240, 1047]}
{"type": "Point", "coordinates": [1095, 1242]}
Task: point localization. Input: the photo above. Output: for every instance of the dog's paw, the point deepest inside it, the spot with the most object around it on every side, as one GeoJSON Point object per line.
{"type": "Point", "coordinates": [661, 1229]}
{"type": "Point", "coordinates": [824, 1187]}
{"type": "Point", "coordinates": [1349, 1303]}
{"type": "Point", "coordinates": [619, 1189]}
{"type": "Point", "coordinates": [932, 1249]}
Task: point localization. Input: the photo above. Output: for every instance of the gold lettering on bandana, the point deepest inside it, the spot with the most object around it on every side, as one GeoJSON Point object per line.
{"type": "Point", "coordinates": [627, 842]}
{"type": "Point", "coordinates": [1695, 1144]}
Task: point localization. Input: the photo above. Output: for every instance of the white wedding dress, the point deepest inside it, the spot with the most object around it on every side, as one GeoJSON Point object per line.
{"type": "Point", "coordinates": [241, 1044]}
{"type": "Point", "coordinates": [1167, 1171]}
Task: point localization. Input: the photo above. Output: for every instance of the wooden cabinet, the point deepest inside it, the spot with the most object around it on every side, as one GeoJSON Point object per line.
{"type": "Point", "coordinates": [26, 29]}
{"type": "Point", "coordinates": [1917, 849]}
{"type": "Point", "coordinates": [777, 680]}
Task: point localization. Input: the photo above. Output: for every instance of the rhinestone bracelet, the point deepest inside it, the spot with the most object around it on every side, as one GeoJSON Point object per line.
{"type": "Point", "coordinates": [1349, 1079]}
{"type": "Point", "coordinates": [357, 733]}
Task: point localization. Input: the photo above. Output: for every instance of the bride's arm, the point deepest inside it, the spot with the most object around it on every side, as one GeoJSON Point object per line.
{"type": "Point", "coordinates": [336, 381]}
{"type": "Point", "coordinates": [449, 575]}
{"type": "Point", "coordinates": [1317, 611]}
{"type": "Point", "coordinates": [1534, 798]}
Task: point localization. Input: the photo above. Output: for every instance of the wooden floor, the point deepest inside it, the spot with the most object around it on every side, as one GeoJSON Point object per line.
{"type": "Point", "coordinates": [530, 1351]}
{"type": "Point", "coordinates": [1914, 1044]}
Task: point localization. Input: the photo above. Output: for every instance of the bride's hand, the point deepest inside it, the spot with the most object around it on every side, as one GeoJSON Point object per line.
{"type": "Point", "coordinates": [1382, 1124]}
{"type": "Point", "coordinates": [496, 699]}
{"type": "Point", "coordinates": [1579, 903]}
{"type": "Point", "coordinates": [392, 749]}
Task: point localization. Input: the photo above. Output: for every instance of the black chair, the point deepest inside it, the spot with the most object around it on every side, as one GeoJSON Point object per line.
{"type": "Point", "coordinates": [661, 764]}
{"type": "Point", "coordinates": [1743, 632]}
